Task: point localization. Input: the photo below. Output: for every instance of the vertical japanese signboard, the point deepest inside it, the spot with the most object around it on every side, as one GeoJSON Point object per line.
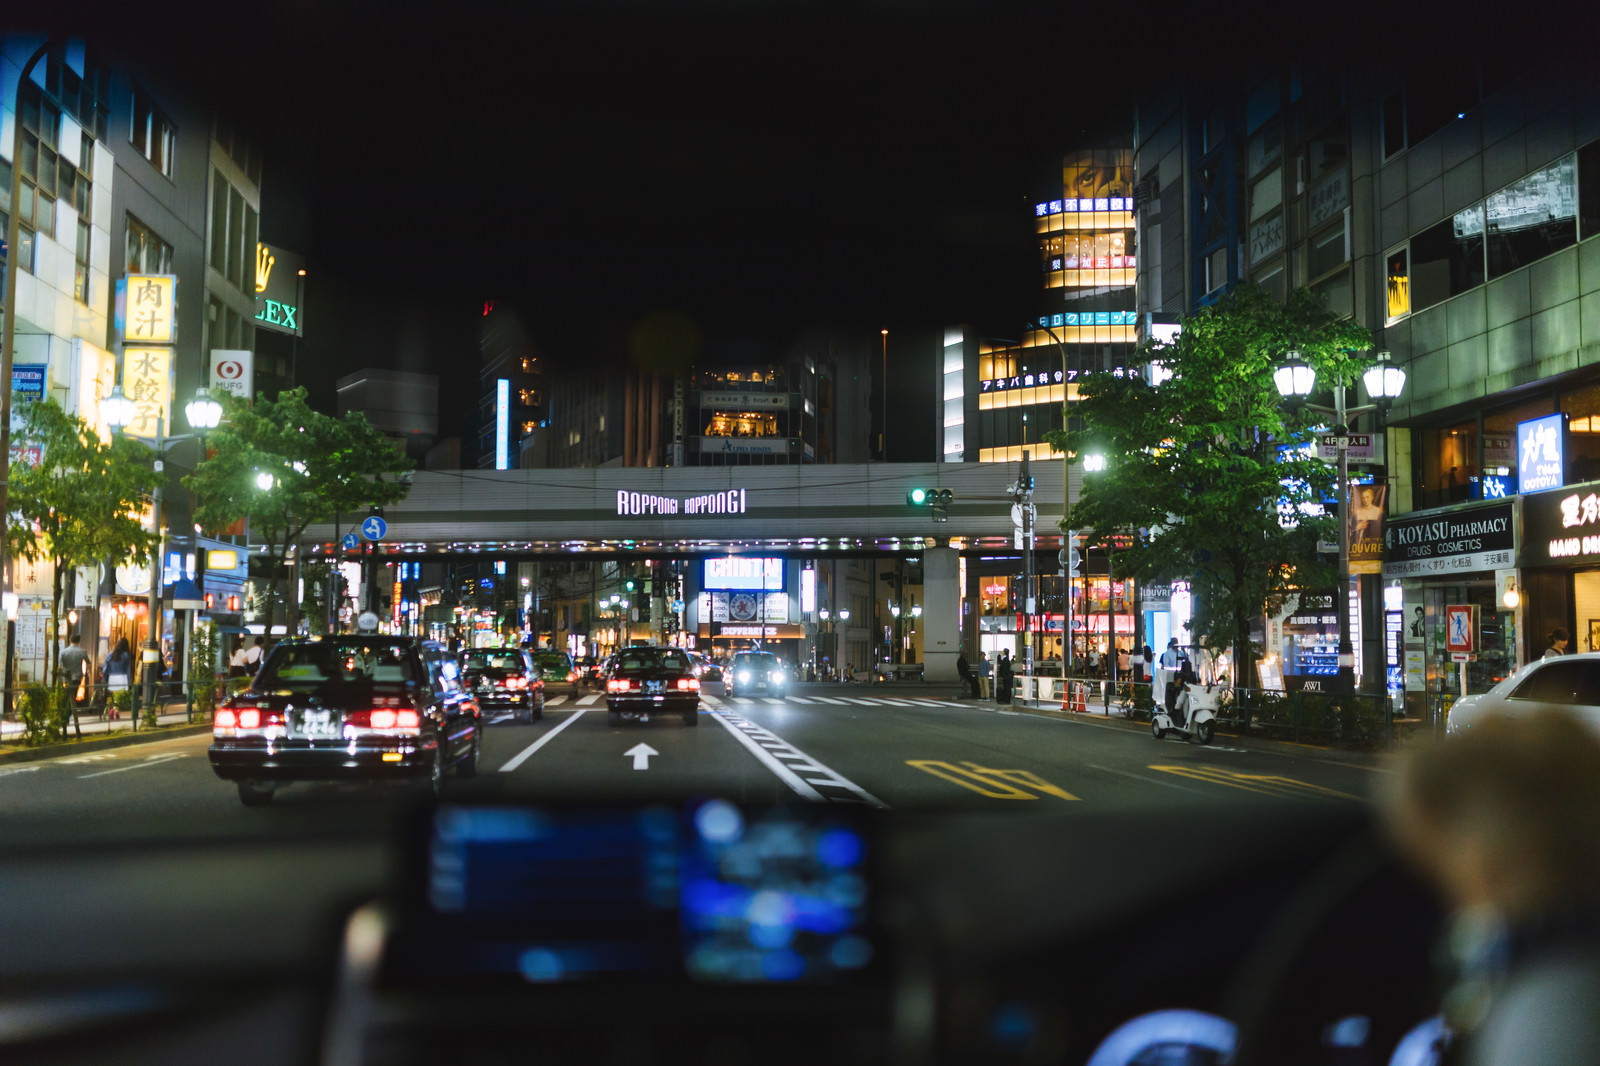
{"type": "Point", "coordinates": [1539, 454]}
{"type": "Point", "coordinates": [151, 314]}
{"type": "Point", "coordinates": [147, 381]}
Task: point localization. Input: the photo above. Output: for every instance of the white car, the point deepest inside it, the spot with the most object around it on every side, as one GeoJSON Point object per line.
{"type": "Point", "coordinates": [1568, 683]}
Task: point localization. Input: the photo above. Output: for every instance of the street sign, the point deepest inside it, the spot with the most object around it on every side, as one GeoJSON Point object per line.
{"type": "Point", "coordinates": [1069, 559]}
{"type": "Point", "coordinates": [1460, 628]}
{"type": "Point", "coordinates": [351, 542]}
{"type": "Point", "coordinates": [374, 528]}
{"type": "Point", "coordinates": [367, 622]}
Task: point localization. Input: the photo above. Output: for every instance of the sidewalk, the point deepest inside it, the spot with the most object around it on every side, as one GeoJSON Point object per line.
{"type": "Point", "coordinates": [95, 724]}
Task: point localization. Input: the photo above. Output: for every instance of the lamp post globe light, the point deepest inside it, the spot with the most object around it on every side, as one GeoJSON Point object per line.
{"type": "Point", "coordinates": [1384, 381]}
{"type": "Point", "coordinates": [204, 414]}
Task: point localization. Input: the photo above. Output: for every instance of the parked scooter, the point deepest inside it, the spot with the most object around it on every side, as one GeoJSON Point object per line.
{"type": "Point", "coordinates": [1194, 712]}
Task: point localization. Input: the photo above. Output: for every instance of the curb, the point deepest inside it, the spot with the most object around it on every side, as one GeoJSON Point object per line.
{"type": "Point", "coordinates": [121, 740]}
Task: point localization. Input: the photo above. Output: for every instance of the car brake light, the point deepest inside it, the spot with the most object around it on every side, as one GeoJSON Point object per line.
{"type": "Point", "coordinates": [385, 719]}
{"type": "Point", "coordinates": [407, 719]}
{"type": "Point", "coordinates": [572, 675]}
{"type": "Point", "coordinates": [618, 685]}
{"type": "Point", "coordinates": [250, 719]}
{"type": "Point", "coordinates": [688, 683]}
{"type": "Point", "coordinates": [516, 682]}
{"type": "Point", "coordinates": [226, 718]}
{"type": "Point", "coordinates": [381, 719]}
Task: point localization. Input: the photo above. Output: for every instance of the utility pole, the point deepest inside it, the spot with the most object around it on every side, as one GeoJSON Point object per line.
{"type": "Point", "coordinates": [1023, 494]}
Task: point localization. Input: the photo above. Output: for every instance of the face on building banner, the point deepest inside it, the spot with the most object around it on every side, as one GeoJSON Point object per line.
{"type": "Point", "coordinates": [147, 381]}
{"type": "Point", "coordinates": [1365, 524]}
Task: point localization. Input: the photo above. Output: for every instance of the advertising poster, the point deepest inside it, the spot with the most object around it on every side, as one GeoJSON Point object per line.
{"type": "Point", "coordinates": [1365, 524]}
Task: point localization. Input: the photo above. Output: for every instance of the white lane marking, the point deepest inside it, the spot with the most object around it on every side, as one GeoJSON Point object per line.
{"type": "Point", "coordinates": [864, 703]}
{"type": "Point", "coordinates": [829, 699]}
{"type": "Point", "coordinates": [709, 701]}
{"type": "Point", "coordinates": [18, 770]}
{"type": "Point", "coordinates": [962, 706]}
{"type": "Point", "coordinates": [801, 699]}
{"type": "Point", "coordinates": [555, 701]}
{"type": "Point", "coordinates": [773, 700]}
{"type": "Point", "coordinates": [1143, 779]}
{"type": "Point", "coordinates": [522, 756]}
{"type": "Point", "coordinates": [98, 757]}
{"type": "Point", "coordinates": [748, 733]}
{"type": "Point", "coordinates": [898, 702]}
{"type": "Point", "coordinates": [589, 701]}
{"type": "Point", "coordinates": [151, 760]}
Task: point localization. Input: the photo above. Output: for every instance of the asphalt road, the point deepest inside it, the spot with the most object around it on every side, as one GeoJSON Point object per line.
{"type": "Point", "coordinates": [822, 743]}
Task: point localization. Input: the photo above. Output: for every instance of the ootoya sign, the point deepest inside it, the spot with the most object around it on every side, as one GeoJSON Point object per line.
{"type": "Point", "coordinates": [1480, 538]}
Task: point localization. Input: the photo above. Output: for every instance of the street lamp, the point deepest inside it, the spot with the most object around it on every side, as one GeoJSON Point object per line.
{"type": "Point", "coordinates": [1384, 381]}
{"type": "Point", "coordinates": [204, 414]}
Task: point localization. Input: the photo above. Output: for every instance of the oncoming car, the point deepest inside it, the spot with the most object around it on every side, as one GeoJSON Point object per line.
{"type": "Point", "coordinates": [1569, 683]}
{"type": "Point", "coordinates": [643, 680]}
{"type": "Point", "coordinates": [348, 708]}
{"type": "Point", "coordinates": [756, 671]}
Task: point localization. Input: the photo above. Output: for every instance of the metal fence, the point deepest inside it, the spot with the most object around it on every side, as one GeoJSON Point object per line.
{"type": "Point", "coordinates": [39, 714]}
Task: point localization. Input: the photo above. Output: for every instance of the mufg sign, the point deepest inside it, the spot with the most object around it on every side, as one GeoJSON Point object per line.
{"type": "Point", "coordinates": [733, 501]}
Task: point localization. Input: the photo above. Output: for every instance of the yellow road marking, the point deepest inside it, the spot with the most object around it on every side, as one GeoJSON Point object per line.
{"type": "Point", "coordinates": [1261, 784]}
{"type": "Point", "coordinates": [990, 782]}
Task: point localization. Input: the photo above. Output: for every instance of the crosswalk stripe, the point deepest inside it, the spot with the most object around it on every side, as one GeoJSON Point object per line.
{"type": "Point", "coordinates": [829, 699]}
{"type": "Point", "coordinates": [555, 702]}
{"type": "Point", "coordinates": [864, 703]}
{"type": "Point", "coordinates": [896, 703]}
{"type": "Point", "coordinates": [773, 700]}
{"type": "Point", "coordinates": [710, 701]}
{"type": "Point", "coordinates": [589, 701]}
{"type": "Point", "coordinates": [801, 699]}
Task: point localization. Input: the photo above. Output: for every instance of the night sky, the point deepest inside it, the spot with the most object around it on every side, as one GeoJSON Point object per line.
{"type": "Point", "coordinates": [763, 167]}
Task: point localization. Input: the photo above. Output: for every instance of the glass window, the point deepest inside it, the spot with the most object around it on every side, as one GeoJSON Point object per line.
{"type": "Point", "coordinates": [1262, 105]}
{"type": "Point", "coordinates": [1582, 408]}
{"type": "Point", "coordinates": [80, 278]}
{"type": "Point", "coordinates": [1266, 194]}
{"type": "Point", "coordinates": [1336, 291]}
{"type": "Point", "coordinates": [1399, 283]}
{"type": "Point", "coordinates": [235, 269]}
{"type": "Point", "coordinates": [1447, 463]}
{"type": "Point", "coordinates": [219, 221]}
{"type": "Point", "coordinates": [1447, 259]}
{"type": "Point", "coordinates": [1531, 218]}
{"type": "Point", "coordinates": [1500, 457]}
{"type": "Point", "coordinates": [1328, 251]}
{"type": "Point", "coordinates": [1563, 681]}
{"type": "Point", "coordinates": [1589, 188]}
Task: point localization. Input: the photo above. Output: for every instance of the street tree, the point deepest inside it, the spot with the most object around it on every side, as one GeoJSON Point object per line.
{"type": "Point", "coordinates": [1209, 477]}
{"type": "Point", "coordinates": [282, 466]}
{"type": "Point", "coordinates": [76, 500]}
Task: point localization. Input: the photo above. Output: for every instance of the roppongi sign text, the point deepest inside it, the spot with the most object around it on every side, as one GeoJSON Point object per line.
{"type": "Point", "coordinates": [732, 501]}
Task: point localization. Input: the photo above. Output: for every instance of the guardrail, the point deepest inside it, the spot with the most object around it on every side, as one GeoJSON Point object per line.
{"type": "Point", "coordinates": [39, 714]}
{"type": "Point", "coordinates": [1353, 719]}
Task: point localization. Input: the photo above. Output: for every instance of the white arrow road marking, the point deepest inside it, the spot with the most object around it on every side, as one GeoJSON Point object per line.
{"type": "Point", "coordinates": [522, 756]}
{"type": "Point", "coordinates": [641, 753]}
{"type": "Point", "coordinates": [149, 760]}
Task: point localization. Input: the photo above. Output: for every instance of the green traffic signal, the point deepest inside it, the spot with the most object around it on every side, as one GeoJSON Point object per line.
{"type": "Point", "coordinates": [628, 585]}
{"type": "Point", "coordinates": [917, 497]}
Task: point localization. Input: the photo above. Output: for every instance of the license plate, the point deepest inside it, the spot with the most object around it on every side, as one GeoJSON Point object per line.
{"type": "Point", "coordinates": [319, 724]}
{"type": "Point", "coordinates": [654, 687]}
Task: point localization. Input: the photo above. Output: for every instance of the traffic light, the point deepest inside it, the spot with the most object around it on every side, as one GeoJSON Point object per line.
{"type": "Point", "coordinates": [628, 584]}
{"type": "Point", "coordinates": [938, 500]}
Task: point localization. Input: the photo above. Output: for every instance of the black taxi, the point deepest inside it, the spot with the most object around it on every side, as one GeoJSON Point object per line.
{"type": "Point", "coordinates": [356, 708]}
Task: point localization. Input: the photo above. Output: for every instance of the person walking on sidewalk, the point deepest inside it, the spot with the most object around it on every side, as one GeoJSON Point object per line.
{"type": "Point", "coordinates": [1002, 672]}
{"type": "Point", "coordinates": [985, 672]}
{"type": "Point", "coordinates": [118, 671]}
{"type": "Point", "coordinates": [74, 661]}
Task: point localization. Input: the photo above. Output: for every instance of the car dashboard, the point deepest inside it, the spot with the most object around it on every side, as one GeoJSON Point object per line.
{"type": "Point", "coordinates": [709, 932]}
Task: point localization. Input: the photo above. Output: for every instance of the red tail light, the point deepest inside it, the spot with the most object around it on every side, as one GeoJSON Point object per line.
{"type": "Point", "coordinates": [226, 718]}
{"type": "Point", "coordinates": [233, 721]}
{"type": "Point", "coordinates": [516, 682]}
{"type": "Point", "coordinates": [572, 675]}
{"type": "Point", "coordinates": [384, 719]}
{"type": "Point", "coordinates": [618, 685]}
{"type": "Point", "coordinates": [688, 684]}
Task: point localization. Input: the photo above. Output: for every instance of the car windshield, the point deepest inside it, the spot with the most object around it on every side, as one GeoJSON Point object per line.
{"type": "Point", "coordinates": [333, 663]}
{"type": "Point", "coordinates": [494, 660]}
{"type": "Point", "coordinates": [944, 377]}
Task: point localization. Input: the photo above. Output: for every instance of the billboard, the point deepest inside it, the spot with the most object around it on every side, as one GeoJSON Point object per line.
{"type": "Point", "coordinates": [738, 572]}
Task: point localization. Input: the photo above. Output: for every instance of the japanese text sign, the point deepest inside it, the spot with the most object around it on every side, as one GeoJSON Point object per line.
{"type": "Point", "coordinates": [147, 381]}
{"type": "Point", "coordinates": [1539, 454]}
{"type": "Point", "coordinates": [151, 316]}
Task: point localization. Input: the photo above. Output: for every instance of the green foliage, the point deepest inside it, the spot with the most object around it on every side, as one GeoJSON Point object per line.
{"type": "Point", "coordinates": [320, 466]}
{"type": "Point", "coordinates": [81, 504]}
{"type": "Point", "coordinates": [1195, 464]}
{"type": "Point", "coordinates": [202, 667]}
{"type": "Point", "coordinates": [45, 713]}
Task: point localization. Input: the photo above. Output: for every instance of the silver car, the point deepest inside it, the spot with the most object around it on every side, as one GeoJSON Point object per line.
{"type": "Point", "coordinates": [1568, 683]}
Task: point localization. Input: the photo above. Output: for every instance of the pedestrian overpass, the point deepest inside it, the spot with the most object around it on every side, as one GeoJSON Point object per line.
{"type": "Point", "coordinates": [797, 511]}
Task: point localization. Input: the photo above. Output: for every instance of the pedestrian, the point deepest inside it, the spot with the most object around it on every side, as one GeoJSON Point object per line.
{"type": "Point", "coordinates": [118, 672]}
{"type": "Point", "coordinates": [969, 680]}
{"type": "Point", "coordinates": [1559, 639]}
{"type": "Point", "coordinates": [74, 661]}
{"type": "Point", "coordinates": [237, 661]}
{"type": "Point", "coordinates": [985, 672]}
{"type": "Point", "coordinates": [1002, 671]}
{"type": "Point", "coordinates": [1094, 662]}
{"type": "Point", "coordinates": [252, 658]}
{"type": "Point", "coordinates": [1148, 658]}
{"type": "Point", "coordinates": [1124, 663]}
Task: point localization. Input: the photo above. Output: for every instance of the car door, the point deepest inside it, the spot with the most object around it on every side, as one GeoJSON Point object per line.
{"type": "Point", "coordinates": [456, 710]}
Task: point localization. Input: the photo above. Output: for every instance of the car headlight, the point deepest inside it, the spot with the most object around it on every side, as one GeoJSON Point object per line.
{"type": "Point", "coordinates": [776, 677]}
{"type": "Point", "coordinates": [743, 676]}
